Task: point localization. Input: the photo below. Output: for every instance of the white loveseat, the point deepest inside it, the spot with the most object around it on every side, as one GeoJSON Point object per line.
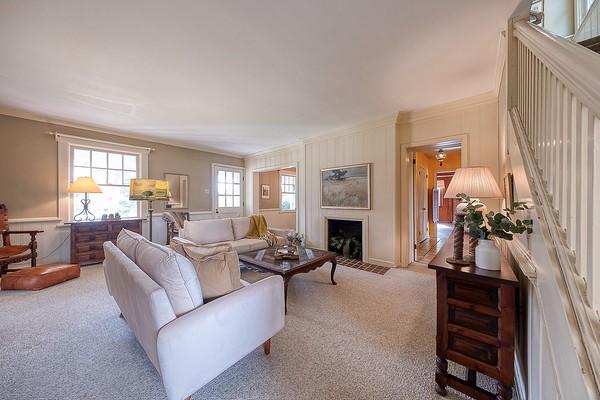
{"type": "Point", "coordinates": [230, 231]}
{"type": "Point", "coordinates": [188, 342]}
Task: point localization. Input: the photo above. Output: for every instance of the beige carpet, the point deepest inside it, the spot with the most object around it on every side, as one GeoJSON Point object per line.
{"type": "Point", "coordinates": [369, 337]}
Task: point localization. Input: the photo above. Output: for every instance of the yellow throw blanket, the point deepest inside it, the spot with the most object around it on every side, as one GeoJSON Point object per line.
{"type": "Point", "coordinates": [258, 230]}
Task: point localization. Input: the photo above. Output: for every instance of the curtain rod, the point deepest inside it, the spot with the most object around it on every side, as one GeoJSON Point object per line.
{"type": "Point", "coordinates": [57, 134]}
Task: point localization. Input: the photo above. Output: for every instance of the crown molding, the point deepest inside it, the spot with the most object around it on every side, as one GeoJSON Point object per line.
{"type": "Point", "coordinates": [446, 108]}
{"type": "Point", "coordinates": [275, 149]}
{"type": "Point", "coordinates": [389, 120]}
{"type": "Point", "coordinates": [13, 112]}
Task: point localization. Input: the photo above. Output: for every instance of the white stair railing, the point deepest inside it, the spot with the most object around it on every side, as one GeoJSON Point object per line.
{"type": "Point", "coordinates": [556, 105]}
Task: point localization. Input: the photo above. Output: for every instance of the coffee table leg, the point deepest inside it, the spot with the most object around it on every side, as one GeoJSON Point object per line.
{"type": "Point", "coordinates": [333, 265]}
{"type": "Point", "coordinates": [285, 285]}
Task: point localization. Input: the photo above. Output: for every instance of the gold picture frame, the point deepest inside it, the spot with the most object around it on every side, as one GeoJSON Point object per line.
{"type": "Point", "coordinates": [346, 187]}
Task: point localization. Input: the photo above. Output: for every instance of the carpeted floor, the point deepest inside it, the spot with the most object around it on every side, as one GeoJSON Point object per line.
{"type": "Point", "coordinates": [370, 337]}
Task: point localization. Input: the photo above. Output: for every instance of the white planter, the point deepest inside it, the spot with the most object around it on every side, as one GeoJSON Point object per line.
{"type": "Point", "coordinates": [487, 255]}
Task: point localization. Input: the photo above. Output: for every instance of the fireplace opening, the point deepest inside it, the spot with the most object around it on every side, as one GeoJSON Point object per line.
{"type": "Point", "coordinates": [345, 237]}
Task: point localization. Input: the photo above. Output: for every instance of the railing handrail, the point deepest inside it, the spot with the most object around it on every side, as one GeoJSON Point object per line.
{"type": "Point", "coordinates": [574, 65]}
{"type": "Point", "coordinates": [587, 332]}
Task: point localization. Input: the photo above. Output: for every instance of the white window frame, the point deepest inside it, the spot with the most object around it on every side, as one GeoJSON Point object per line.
{"type": "Point", "coordinates": [295, 193]}
{"type": "Point", "coordinates": [65, 151]}
{"type": "Point", "coordinates": [581, 10]}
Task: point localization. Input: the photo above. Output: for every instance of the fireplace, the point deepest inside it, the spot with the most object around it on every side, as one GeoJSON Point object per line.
{"type": "Point", "coordinates": [345, 237]}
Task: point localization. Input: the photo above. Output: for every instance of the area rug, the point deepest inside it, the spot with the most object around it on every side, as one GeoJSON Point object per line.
{"type": "Point", "coordinates": [370, 337]}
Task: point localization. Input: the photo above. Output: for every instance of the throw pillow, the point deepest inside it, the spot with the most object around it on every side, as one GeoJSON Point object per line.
{"type": "Point", "coordinates": [217, 267]}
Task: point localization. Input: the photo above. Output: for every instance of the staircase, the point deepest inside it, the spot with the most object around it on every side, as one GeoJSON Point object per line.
{"type": "Point", "coordinates": [553, 112]}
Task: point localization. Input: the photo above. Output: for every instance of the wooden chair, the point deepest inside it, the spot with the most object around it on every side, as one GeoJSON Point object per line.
{"type": "Point", "coordinates": [9, 253]}
{"type": "Point", "coordinates": [174, 220]}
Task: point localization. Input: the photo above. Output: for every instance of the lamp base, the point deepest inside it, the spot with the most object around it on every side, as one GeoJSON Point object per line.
{"type": "Point", "coordinates": [85, 214]}
{"type": "Point", "coordinates": [459, 233]}
{"type": "Point", "coordinates": [453, 260]}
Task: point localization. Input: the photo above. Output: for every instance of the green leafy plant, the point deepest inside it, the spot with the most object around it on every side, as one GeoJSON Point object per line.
{"type": "Point", "coordinates": [338, 242]}
{"type": "Point", "coordinates": [495, 224]}
{"type": "Point", "coordinates": [295, 238]}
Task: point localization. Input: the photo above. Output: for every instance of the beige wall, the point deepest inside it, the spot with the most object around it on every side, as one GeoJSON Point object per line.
{"type": "Point", "coordinates": [368, 143]}
{"type": "Point", "coordinates": [28, 166]}
{"type": "Point", "coordinates": [282, 220]}
{"type": "Point", "coordinates": [270, 178]}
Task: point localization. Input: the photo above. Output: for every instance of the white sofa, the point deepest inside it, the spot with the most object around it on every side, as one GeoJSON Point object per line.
{"type": "Point", "coordinates": [188, 342]}
{"type": "Point", "coordinates": [231, 231]}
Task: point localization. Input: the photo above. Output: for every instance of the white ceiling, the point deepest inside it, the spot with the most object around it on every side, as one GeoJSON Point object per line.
{"type": "Point", "coordinates": [242, 76]}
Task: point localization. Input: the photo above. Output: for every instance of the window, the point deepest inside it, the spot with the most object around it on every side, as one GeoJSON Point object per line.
{"type": "Point", "coordinates": [288, 193]}
{"type": "Point", "coordinates": [112, 171]}
{"type": "Point", "coordinates": [582, 7]}
{"type": "Point", "coordinates": [229, 188]}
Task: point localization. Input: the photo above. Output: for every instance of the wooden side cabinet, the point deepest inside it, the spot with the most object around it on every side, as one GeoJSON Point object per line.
{"type": "Point", "coordinates": [475, 326]}
{"type": "Point", "coordinates": [88, 237]}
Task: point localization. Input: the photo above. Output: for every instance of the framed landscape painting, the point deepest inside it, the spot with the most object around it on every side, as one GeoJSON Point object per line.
{"type": "Point", "coordinates": [346, 187]}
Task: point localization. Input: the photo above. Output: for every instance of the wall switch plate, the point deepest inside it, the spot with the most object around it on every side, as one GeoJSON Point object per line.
{"type": "Point", "coordinates": [207, 191]}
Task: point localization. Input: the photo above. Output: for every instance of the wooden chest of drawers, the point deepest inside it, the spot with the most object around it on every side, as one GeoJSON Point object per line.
{"type": "Point", "coordinates": [88, 237]}
{"type": "Point", "coordinates": [475, 326]}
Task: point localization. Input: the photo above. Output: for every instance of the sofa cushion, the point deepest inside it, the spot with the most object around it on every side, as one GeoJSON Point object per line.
{"type": "Point", "coordinates": [128, 241]}
{"type": "Point", "coordinates": [219, 273]}
{"type": "Point", "coordinates": [240, 227]}
{"type": "Point", "coordinates": [246, 245]}
{"type": "Point", "coordinates": [208, 231]}
{"type": "Point", "coordinates": [173, 272]}
{"type": "Point", "coordinates": [186, 247]}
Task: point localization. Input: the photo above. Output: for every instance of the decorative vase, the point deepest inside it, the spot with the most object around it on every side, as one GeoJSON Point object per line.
{"type": "Point", "coordinates": [487, 255]}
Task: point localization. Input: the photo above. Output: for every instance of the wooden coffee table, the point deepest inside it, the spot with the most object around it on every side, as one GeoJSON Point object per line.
{"type": "Point", "coordinates": [309, 259]}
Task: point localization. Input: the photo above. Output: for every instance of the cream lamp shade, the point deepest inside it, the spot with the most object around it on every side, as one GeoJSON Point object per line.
{"type": "Point", "coordinates": [84, 184]}
{"type": "Point", "coordinates": [476, 182]}
{"type": "Point", "coordinates": [148, 189]}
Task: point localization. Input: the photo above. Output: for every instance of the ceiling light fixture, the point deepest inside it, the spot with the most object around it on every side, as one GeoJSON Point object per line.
{"type": "Point", "coordinates": [440, 156]}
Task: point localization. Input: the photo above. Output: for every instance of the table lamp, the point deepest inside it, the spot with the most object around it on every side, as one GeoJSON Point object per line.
{"type": "Point", "coordinates": [477, 183]}
{"type": "Point", "coordinates": [84, 184]}
{"type": "Point", "coordinates": [150, 190]}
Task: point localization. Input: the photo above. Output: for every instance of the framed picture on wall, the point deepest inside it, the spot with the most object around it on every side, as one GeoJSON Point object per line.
{"type": "Point", "coordinates": [346, 187]}
{"type": "Point", "coordinates": [265, 192]}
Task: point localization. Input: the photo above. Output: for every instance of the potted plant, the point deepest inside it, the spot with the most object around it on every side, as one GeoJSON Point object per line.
{"type": "Point", "coordinates": [502, 226]}
{"type": "Point", "coordinates": [295, 238]}
{"type": "Point", "coordinates": [347, 243]}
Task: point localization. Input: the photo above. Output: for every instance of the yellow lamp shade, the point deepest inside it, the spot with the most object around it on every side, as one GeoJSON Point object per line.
{"type": "Point", "coordinates": [148, 189]}
{"type": "Point", "coordinates": [84, 184]}
{"type": "Point", "coordinates": [476, 182]}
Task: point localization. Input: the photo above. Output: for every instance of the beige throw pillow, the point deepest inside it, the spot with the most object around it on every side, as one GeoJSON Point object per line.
{"type": "Point", "coordinates": [217, 267]}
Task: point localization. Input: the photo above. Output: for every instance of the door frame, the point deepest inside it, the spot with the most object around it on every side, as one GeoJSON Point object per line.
{"type": "Point", "coordinates": [406, 209]}
{"type": "Point", "coordinates": [213, 188]}
{"type": "Point", "coordinates": [256, 187]}
{"type": "Point", "coordinates": [425, 234]}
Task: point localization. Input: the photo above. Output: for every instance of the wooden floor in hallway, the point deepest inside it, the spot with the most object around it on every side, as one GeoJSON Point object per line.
{"type": "Point", "coordinates": [428, 248]}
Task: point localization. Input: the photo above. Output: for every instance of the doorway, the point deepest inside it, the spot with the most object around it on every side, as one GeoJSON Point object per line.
{"type": "Point", "coordinates": [275, 194]}
{"type": "Point", "coordinates": [228, 191]}
{"type": "Point", "coordinates": [433, 214]}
